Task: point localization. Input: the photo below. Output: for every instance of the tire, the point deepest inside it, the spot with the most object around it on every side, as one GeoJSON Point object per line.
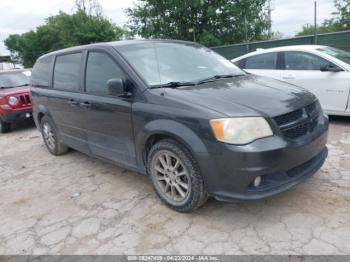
{"type": "Point", "coordinates": [4, 126]}
{"type": "Point", "coordinates": [173, 169]}
{"type": "Point", "coordinates": [50, 137]}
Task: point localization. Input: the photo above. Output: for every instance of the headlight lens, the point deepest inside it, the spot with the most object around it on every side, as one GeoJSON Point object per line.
{"type": "Point", "coordinates": [240, 131]}
{"type": "Point", "coordinates": [12, 100]}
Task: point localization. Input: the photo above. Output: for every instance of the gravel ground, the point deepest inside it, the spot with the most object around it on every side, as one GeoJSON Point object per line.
{"type": "Point", "coordinates": [75, 204]}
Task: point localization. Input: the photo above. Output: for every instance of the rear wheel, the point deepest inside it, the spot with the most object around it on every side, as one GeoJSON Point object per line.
{"type": "Point", "coordinates": [175, 176]}
{"type": "Point", "coordinates": [4, 126]}
{"type": "Point", "coordinates": [50, 137]}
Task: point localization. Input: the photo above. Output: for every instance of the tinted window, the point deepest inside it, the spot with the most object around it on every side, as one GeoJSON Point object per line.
{"type": "Point", "coordinates": [161, 63]}
{"type": "Point", "coordinates": [240, 63]}
{"type": "Point", "coordinates": [263, 61]}
{"type": "Point", "coordinates": [67, 71]}
{"type": "Point", "coordinates": [41, 72]}
{"type": "Point", "coordinates": [303, 61]}
{"type": "Point", "coordinates": [100, 68]}
{"type": "Point", "coordinates": [337, 53]}
{"type": "Point", "coordinates": [9, 80]}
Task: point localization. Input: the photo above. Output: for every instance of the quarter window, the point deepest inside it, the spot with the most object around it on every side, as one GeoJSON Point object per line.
{"type": "Point", "coordinates": [100, 68]}
{"type": "Point", "coordinates": [263, 61]}
{"type": "Point", "coordinates": [67, 72]}
{"type": "Point", "coordinates": [303, 61]}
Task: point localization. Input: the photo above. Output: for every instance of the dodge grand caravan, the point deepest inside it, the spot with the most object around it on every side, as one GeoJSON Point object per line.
{"type": "Point", "coordinates": [181, 114]}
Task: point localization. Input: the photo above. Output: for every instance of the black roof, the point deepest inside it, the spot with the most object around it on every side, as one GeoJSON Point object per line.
{"type": "Point", "coordinates": [116, 44]}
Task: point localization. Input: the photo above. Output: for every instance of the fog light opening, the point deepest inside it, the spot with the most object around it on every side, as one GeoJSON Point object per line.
{"type": "Point", "coordinates": [257, 181]}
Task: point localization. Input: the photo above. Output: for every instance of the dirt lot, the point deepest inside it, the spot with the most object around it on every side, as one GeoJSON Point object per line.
{"type": "Point", "coordinates": [74, 204]}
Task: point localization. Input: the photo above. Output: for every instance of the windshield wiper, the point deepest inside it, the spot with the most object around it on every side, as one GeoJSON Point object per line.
{"type": "Point", "coordinates": [22, 85]}
{"type": "Point", "coordinates": [216, 77]}
{"type": "Point", "coordinates": [174, 84]}
{"type": "Point", "coordinates": [5, 87]}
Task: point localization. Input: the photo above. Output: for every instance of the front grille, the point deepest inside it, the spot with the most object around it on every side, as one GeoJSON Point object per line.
{"type": "Point", "coordinates": [25, 99]}
{"type": "Point", "coordinates": [299, 122]}
{"type": "Point", "coordinates": [28, 99]}
{"type": "Point", "coordinates": [298, 131]}
{"type": "Point", "coordinates": [290, 117]}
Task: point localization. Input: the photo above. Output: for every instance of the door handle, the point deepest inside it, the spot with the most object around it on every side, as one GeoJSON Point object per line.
{"type": "Point", "coordinates": [85, 104]}
{"type": "Point", "coordinates": [73, 102]}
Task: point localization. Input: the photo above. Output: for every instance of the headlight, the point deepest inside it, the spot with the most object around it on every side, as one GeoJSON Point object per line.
{"type": "Point", "coordinates": [240, 131]}
{"type": "Point", "coordinates": [12, 101]}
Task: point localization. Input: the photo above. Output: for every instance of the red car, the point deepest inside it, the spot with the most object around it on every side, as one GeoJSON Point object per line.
{"type": "Point", "coordinates": [15, 97]}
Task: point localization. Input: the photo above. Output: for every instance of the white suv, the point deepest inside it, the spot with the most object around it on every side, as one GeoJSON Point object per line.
{"type": "Point", "coordinates": [323, 70]}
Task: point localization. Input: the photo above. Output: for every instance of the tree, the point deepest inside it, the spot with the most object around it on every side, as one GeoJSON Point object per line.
{"type": "Point", "coordinates": [343, 13]}
{"type": "Point", "coordinates": [340, 21]}
{"type": "Point", "coordinates": [210, 22]}
{"type": "Point", "coordinates": [328, 26]}
{"type": "Point", "coordinates": [85, 26]}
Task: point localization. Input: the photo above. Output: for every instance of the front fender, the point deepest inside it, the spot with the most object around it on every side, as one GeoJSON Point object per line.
{"type": "Point", "coordinates": [170, 128]}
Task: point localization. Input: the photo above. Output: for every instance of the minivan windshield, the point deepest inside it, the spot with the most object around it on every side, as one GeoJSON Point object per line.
{"type": "Point", "coordinates": [9, 80]}
{"type": "Point", "coordinates": [164, 63]}
{"type": "Point", "coordinates": [337, 53]}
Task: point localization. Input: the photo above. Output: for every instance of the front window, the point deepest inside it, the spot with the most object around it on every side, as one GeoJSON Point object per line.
{"type": "Point", "coordinates": [9, 80]}
{"type": "Point", "coordinates": [304, 61]}
{"type": "Point", "coordinates": [336, 53]}
{"type": "Point", "coordinates": [162, 63]}
{"type": "Point", "coordinates": [99, 69]}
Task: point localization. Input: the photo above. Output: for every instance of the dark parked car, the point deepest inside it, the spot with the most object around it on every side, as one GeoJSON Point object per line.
{"type": "Point", "coordinates": [183, 115]}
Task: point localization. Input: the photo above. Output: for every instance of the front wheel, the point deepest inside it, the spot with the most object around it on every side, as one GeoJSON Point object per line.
{"type": "Point", "coordinates": [4, 126]}
{"type": "Point", "coordinates": [50, 137]}
{"type": "Point", "coordinates": [175, 176]}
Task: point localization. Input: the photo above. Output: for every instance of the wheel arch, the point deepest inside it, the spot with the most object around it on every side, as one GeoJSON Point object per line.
{"type": "Point", "coordinates": [41, 111]}
{"type": "Point", "coordinates": [161, 129]}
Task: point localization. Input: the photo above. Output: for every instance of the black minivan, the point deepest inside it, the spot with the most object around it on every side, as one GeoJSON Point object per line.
{"type": "Point", "coordinates": [181, 114]}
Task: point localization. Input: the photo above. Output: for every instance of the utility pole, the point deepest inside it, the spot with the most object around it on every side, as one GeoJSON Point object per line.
{"type": "Point", "coordinates": [315, 23]}
{"type": "Point", "coordinates": [246, 33]}
{"type": "Point", "coordinates": [270, 19]}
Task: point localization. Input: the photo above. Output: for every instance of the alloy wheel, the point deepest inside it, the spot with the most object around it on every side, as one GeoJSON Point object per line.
{"type": "Point", "coordinates": [49, 136]}
{"type": "Point", "coordinates": [171, 176]}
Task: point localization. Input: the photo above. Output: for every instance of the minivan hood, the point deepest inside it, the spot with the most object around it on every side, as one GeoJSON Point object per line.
{"type": "Point", "coordinates": [247, 95]}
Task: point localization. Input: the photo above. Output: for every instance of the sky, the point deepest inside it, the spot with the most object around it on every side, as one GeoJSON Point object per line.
{"type": "Point", "coordinates": [19, 16]}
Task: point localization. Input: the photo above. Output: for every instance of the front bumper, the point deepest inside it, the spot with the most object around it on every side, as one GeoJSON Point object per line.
{"type": "Point", "coordinates": [229, 172]}
{"type": "Point", "coordinates": [17, 116]}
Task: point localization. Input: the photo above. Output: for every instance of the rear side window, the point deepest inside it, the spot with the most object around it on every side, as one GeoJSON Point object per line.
{"type": "Point", "coordinates": [67, 72]}
{"type": "Point", "coordinates": [99, 69]}
{"type": "Point", "coordinates": [303, 61]}
{"type": "Point", "coordinates": [263, 61]}
{"type": "Point", "coordinates": [41, 72]}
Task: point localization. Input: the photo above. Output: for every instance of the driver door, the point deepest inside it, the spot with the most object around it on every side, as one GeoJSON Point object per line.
{"type": "Point", "coordinates": [108, 123]}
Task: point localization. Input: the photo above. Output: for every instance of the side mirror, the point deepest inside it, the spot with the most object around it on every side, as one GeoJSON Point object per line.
{"type": "Point", "coordinates": [116, 86]}
{"type": "Point", "coordinates": [330, 68]}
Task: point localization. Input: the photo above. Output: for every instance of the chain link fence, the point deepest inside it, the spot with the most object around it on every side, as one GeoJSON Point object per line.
{"type": "Point", "coordinates": [339, 40]}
